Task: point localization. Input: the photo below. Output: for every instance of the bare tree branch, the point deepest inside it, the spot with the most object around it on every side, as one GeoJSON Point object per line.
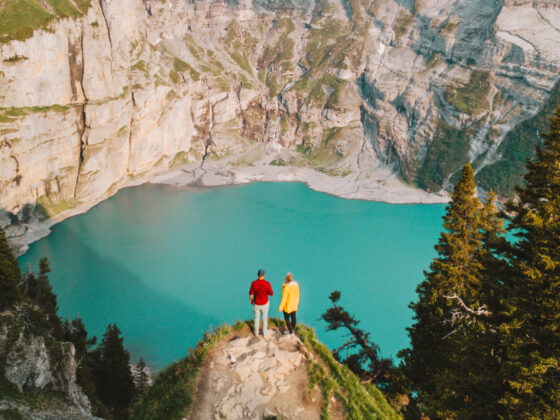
{"type": "Point", "coordinates": [481, 311]}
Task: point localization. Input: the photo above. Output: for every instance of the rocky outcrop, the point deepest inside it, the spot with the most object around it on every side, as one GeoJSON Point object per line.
{"type": "Point", "coordinates": [250, 377]}
{"type": "Point", "coordinates": [133, 88]}
{"type": "Point", "coordinates": [35, 362]}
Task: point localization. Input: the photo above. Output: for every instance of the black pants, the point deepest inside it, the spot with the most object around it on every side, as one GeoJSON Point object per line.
{"type": "Point", "coordinates": [290, 319]}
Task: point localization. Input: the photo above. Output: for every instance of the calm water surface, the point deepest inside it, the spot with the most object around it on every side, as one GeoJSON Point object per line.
{"type": "Point", "coordinates": [167, 264]}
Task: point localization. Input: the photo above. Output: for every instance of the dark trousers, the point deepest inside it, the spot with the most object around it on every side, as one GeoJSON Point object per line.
{"type": "Point", "coordinates": [290, 319]}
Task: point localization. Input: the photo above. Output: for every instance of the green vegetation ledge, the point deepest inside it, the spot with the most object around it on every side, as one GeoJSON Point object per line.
{"type": "Point", "coordinates": [233, 374]}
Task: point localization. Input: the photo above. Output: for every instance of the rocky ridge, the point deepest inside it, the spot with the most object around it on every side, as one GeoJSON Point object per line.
{"type": "Point", "coordinates": [234, 375]}
{"type": "Point", "coordinates": [38, 373]}
{"type": "Point", "coordinates": [364, 91]}
{"type": "Point", "coordinates": [250, 377]}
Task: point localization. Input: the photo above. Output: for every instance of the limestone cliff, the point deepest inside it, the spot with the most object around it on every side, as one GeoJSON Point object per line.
{"type": "Point", "coordinates": [37, 374]}
{"type": "Point", "coordinates": [114, 92]}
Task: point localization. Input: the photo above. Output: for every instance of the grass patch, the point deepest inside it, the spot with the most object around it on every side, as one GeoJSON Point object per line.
{"type": "Point", "coordinates": [471, 98]}
{"type": "Point", "coordinates": [179, 65]}
{"type": "Point", "coordinates": [448, 152]}
{"type": "Point", "coordinates": [9, 114]}
{"type": "Point", "coordinates": [317, 88]}
{"type": "Point", "coordinates": [242, 61]}
{"type": "Point", "coordinates": [20, 18]}
{"type": "Point", "coordinates": [403, 23]}
{"type": "Point", "coordinates": [360, 402]}
{"type": "Point", "coordinates": [180, 159]}
{"type": "Point", "coordinates": [64, 8]}
{"type": "Point", "coordinates": [196, 50]}
{"type": "Point", "coordinates": [53, 208]}
{"type": "Point", "coordinates": [142, 66]}
{"type": "Point", "coordinates": [174, 76]}
{"type": "Point", "coordinates": [272, 84]}
{"type": "Point", "coordinates": [15, 58]}
{"type": "Point", "coordinates": [279, 162]}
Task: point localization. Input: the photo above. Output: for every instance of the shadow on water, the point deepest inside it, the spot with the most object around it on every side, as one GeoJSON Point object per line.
{"type": "Point", "coordinates": [101, 291]}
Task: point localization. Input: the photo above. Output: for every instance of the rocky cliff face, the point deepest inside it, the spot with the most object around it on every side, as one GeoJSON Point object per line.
{"type": "Point", "coordinates": [122, 90]}
{"type": "Point", "coordinates": [31, 363]}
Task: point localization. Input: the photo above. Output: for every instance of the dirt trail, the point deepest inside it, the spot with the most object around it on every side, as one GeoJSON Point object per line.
{"type": "Point", "coordinates": [247, 377]}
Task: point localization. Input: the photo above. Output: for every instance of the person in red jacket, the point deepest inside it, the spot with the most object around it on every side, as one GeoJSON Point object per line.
{"type": "Point", "coordinates": [258, 296]}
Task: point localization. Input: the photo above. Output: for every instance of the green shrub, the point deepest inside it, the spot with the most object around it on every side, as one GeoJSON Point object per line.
{"type": "Point", "coordinates": [447, 153]}
{"type": "Point", "coordinates": [471, 98]}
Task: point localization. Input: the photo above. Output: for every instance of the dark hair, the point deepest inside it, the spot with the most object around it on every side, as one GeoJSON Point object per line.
{"type": "Point", "coordinates": [260, 272]}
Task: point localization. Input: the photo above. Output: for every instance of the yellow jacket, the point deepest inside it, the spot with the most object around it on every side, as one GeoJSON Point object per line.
{"type": "Point", "coordinates": [290, 297]}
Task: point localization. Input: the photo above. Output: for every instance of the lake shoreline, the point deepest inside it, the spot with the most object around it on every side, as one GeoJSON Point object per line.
{"type": "Point", "coordinates": [380, 185]}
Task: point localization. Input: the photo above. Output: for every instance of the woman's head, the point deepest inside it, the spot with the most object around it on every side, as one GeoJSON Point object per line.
{"type": "Point", "coordinates": [289, 278]}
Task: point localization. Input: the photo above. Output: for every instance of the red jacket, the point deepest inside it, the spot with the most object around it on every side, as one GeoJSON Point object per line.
{"type": "Point", "coordinates": [260, 289]}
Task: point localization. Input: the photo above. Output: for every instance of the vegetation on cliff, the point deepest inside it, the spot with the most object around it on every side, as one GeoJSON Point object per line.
{"type": "Point", "coordinates": [517, 147]}
{"type": "Point", "coordinates": [29, 319]}
{"type": "Point", "coordinates": [173, 392]}
{"type": "Point", "coordinates": [484, 343]}
{"type": "Point", "coordinates": [9, 275]}
{"type": "Point", "coordinates": [19, 18]}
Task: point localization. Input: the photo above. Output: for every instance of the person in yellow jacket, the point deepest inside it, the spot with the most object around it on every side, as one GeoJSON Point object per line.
{"type": "Point", "coordinates": [290, 301]}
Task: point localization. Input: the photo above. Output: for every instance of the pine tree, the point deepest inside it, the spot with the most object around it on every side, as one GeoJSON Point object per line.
{"type": "Point", "coordinates": [39, 290]}
{"type": "Point", "coordinates": [531, 367]}
{"type": "Point", "coordinates": [141, 378]}
{"type": "Point", "coordinates": [448, 306]}
{"type": "Point", "coordinates": [9, 275]}
{"type": "Point", "coordinates": [113, 377]}
{"type": "Point", "coordinates": [478, 347]}
{"type": "Point", "coordinates": [75, 332]}
{"type": "Point", "coordinates": [366, 361]}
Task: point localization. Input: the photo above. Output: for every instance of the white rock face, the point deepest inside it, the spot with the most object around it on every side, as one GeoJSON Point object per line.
{"type": "Point", "coordinates": [30, 364]}
{"type": "Point", "coordinates": [249, 377]}
{"type": "Point", "coordinates": [136, 87]}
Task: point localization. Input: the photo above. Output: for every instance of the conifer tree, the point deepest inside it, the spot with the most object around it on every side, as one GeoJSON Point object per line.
{"type": "Point", "coordinates": [141, 378]}
{"type": "Point", "coordinates": [9, 275]}
{"type": "Point", "coordinates": [474, 382]}
{"type": "Point", "coordinates": [448, 302]}
{"type": "Point", "coordinates": [39, 290]}
{"type": "Point", "coordinates": [75, 332]}
{"type": "Point", "coordinates": [531, 367]}
{"type": "Point", "coordinates": [366, 361]}
{"type": "Point", "coordinates": [113, 377]}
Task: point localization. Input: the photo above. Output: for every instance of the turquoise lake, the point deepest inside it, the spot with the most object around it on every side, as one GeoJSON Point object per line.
{"type": "Point", "coordinates": [165, 264]}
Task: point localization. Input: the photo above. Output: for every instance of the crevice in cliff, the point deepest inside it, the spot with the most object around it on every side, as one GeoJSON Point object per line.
{"type": "Point", "coordinates": [547, 20]}
{"type": "Point", "coordinates": [265, 127]}
{"type": "Point", "coordinates": [106, 25]}
{"type": "Point", "coordinates": [82, 119]}
{"type": "Point", "coordinates": [208, 141]}
{"type": "Point", "coordinates": [130, 133]}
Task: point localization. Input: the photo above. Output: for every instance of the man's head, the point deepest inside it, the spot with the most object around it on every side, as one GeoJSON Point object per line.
{"type": "Point", "coordinates": [260, 273]}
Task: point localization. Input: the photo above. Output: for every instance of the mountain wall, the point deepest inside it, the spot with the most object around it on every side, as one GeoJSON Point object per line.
{"type": "Point", "coordinates": [99, 95]}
